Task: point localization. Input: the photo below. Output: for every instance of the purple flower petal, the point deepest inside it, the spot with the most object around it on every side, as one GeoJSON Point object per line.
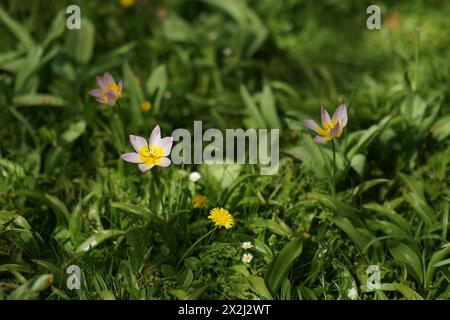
{"type": "Point", "coordinates": [137, 142]}
{"type": "Point", "coordinates": [144, 168]}
{"type": "Point", "coordinates": [132, 157]}
{"type": "Point", "coordinates": [111, 96]}
{"type": "Point", "coordinates": [335, 130]}
{"type": "Point", "coordinates": [325, 117]}
{"type": "Point", "coordinates": [108, 79]}
{"type": "Point", "coordinates": [166, 143]}
{"type": "Point", "coordinates": [311, 124]}
{"type": "Point", "coordinates": [165, 162]}
{"type": "Point", "coordinates": [320, 139]}
{"type": "Point", "coordinates": [96, 93]}
{"type": "Point", "coordinates": [120, 84]}
{"type": "Point", "coordinates": [155, 136]}
{"type": "Point", "coordinates": [341, 115]}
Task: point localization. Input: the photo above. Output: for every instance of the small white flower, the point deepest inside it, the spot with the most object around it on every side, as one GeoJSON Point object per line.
{"type": "Point", "coordinates": [227, 51]}
{"type": "Point", "coordinates": [247, 257]}
{"type": "Point", "coordinates": [194, 176]}
{"type": "Point", "coordinates": [246, 245]}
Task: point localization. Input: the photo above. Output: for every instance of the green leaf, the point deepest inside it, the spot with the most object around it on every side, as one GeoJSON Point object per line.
{"type": "Point", "coordinates": [259, 287]}
{"type": "Point", "coordinates": [133, 87]}
{"type": "Point", "coordinates": [407, 292]}
{"type": "Point", "coordinates": [404, 254]}
{"type": "Point", "coordinates": [56, 29]}
{"type": "Point", "coordinates": [437, 260]}
{"type": "Point", "coordinates": [280, 265]}
{"type": "Point", "coordinates": [98, 238]}
{"type": "Point", "coordinates": [268, 109]}
{"type": "Point", "coordinates": [341, 208]}
{"type": "Point", "coordinates": [156, 84]}
{"type": "Point", "coordinates": [17, 29]}
{"type": "Point", "coordinates": [367, 137]}
{"type": "Point", "coordinates": [38, 99]}
{"type": "Point", "coordinates": [252, 108]}
{"type": "Point", "coordinates": [358, 238]}
{"type": "Point", "coordinates": [74, 131]}
{"type": "Point", "coordinates": [277, 226]}
{"type": "Point", "coordinates": [60, 209]}
{"type": "Point", "coordinates": [391, 215]}
{"type": "Point", "coordinates": [31, 289]}
{"type": "Point", "coordinates": [80, 43]}
{"type": "Point", "coordinates": [421, 207]}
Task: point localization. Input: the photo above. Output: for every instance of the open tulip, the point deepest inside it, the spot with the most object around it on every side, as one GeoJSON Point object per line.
{"type": "Point", "coordinates": [331, 127]}
{"type": "Point", "coordinates": [151, 153]}
{"type": "Point", "coordinates": [109, 92]}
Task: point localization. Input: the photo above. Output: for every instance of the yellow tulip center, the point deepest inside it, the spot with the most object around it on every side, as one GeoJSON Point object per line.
{"type": "Point", "coordinates": [151, 155]}
{"type": "Point", "coordinates": [113, 87]}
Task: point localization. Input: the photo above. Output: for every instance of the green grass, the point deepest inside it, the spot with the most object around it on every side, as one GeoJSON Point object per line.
{"type": "Point", "coordinates": [66, 197]}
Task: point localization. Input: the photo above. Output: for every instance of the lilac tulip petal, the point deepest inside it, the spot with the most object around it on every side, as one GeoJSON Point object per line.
{"type": "Point", "coordinates": [108, 79]}
{"type": "Point", "coordinates": [165, 162]}
{"type": "Point", "coordinates": [320, 139]}
{"type": "Point", "coordinates": [111, 96]}
{"type": "Point", "coordinates": [144, 168]}
{"type": "Point", "coordinates": [100, 81]}
{"type": "Point", "coordinates": [132, 157]}
{"type": "Point", "coordinates": [120, 84]}
{"type": "Point", "coordinates": [325, 117]}
{"type": "Point", "coordinates": [96, 93]}
{"type": "Point", "coordinates": [311, 124]}
{"type": "Point", "coordinates": [335, 130]}
{"type": "Point", "coordinates": [155, 136]}
{"type": "Point", "coordinates": [101, 100]}
{"type": "Point", "coordinates": [137, 142]}
{"type": "Point", "coordinates": [166, 143]}
{"type": "Point", "coordinates": [341, 115]}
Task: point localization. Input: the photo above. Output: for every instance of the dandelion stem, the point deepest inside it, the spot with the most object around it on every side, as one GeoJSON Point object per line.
{"type": "Point", "coordinates": [334, 167]}
{"type": "Point", "coordinates": [188, 251]}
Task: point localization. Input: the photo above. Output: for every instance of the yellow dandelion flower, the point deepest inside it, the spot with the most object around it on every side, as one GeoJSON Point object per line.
{"type": "Point", "coordinates": [127, 3]}
{"type": "Point", "coordinates": [199, 202]}
{"type": "Point", "coordinates": [221, 217]}
{"type": "Point", "coordinates": [145, 106]}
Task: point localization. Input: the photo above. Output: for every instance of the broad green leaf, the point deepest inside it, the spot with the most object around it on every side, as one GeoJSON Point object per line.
{"type": "Point", "coordinates": [268, 108]}
{"type": "Point", "coordinates": [252, 108]}
{"type": "Point", "coordinates": [80, 43]}
{"type": "Point", "coordinates": [38, 99]}
{"type": "Point", "coordinates": [156, 84]}
{"type": "Point", "coordinates": [133, 87]}
{"type": "Point", "coordinates": [405, 254]}
{"type": "Point", "coordinates": [60, 209]}
{"type": "Point", "coordinates": [98, 238]}
{"type": "Point", "coordinates": [75, 130]}
{"type": "Point", "coordinates": [421, 207]}
{"type": "Point", "coordinates": [391, 215]}
{"type": "Point", "coordinates": [277, 226]}
{"type": "Point", "coordinates": [17, 29]}
{"type": "Point", "coordinates": [258, 285]}
{"type": "Point", "coordinates": [358, 238]}
{"type": "Point", "coordinates": [436, 261]}
{"type": "Point", "coordinates": [407, 292]}
{"type": "Point", "coordinates": [280, 265]}
{"type": "Point", "coordinates": [31, 289]}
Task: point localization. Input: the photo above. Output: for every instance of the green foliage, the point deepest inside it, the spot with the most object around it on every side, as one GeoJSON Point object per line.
{"type": "Point", "coordinates": [66, 198]}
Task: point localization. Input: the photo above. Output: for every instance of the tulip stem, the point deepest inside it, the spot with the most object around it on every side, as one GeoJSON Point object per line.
{"type": "Point", "coordinates": [160, 187]}
{"type": "Point", "coordinates": [122, 132]}
{"type": "Point", "coordinates": [334, 167]}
